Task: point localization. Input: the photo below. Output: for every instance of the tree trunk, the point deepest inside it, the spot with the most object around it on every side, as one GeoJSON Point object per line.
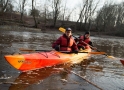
{"type": "Point", "coordinates": [4, 7]}
{"type": "Point", "coordinates": [35, 21]}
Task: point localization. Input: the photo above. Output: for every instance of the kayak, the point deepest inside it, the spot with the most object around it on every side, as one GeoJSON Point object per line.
{"type": "Point", "coordinates": [31, 61]}
{"type": "Point", "coordinates": [122, 61]}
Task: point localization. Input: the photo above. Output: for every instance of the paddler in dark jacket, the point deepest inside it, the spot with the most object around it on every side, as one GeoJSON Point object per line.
{"type": "Point", "coordinates": [66, 42]}
{"type": "Point", "coordinates": [84, 41]}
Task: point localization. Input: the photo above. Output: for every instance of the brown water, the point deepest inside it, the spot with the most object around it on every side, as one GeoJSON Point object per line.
{"type": "Point", "coordinates": [106, 73]}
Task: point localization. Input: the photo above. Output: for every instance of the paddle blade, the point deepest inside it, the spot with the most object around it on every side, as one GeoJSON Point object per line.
{"type": "Point", "coordinates": [62, 29]}
{"type": "Point", "coordinates": [32, 50]}
{"type": "Point", "coordinates": [111, 57]}
{"type": "Point", "coordinates": [97, 52]}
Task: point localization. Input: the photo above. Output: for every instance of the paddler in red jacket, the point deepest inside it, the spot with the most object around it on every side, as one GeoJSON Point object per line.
{"type": "Point", "coordinates": [66, 42]}
{"type": "Point", "coordinates": [84, 42]}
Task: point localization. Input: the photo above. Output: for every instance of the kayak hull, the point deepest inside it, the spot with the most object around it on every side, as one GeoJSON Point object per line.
{"type": "Point", "coordinates": [122, 61]}
{"type": "Point", "coordinates": [25, 62]}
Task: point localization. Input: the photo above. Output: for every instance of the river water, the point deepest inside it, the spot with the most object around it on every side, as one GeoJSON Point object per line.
{"type": "Point", "coordinates": [103, 72]}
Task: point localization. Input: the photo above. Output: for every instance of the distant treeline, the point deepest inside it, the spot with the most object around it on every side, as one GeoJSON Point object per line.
{"type": "Point", "coordinates": [109, 19]}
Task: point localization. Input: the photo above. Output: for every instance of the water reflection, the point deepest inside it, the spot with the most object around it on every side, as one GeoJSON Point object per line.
{"type": "Point", "coordinates": [25, 79]}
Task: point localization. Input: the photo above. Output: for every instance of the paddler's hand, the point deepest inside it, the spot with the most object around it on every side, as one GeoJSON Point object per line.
{"type": "Point", "coordinates": [94, 48]}
{"type": "Point", "coordinates": [76, 52]}
{"type": "Point", "coordinates": [57, 47]}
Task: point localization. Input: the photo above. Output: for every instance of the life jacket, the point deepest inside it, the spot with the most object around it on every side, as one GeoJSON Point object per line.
{"type": "Point", "coordinates": [66, 43]}
{"type": "Point", "coordinates": [83, 41]}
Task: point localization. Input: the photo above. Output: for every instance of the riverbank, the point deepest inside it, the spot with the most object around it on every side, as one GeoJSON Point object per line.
{"type": "Point", "coordinates": [19, 28]}
{"type": "Point", "coordinates": [52, 31]}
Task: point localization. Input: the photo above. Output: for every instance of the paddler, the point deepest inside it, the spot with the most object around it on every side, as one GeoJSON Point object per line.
{"type": "Point", "coordinates": [84, 41]}
{"type": "Point", "coordinates": [66, 42]}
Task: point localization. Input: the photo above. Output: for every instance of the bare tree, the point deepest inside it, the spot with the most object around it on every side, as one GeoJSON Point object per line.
{"type": "Point", "coordinates": [56, 10]}
{"type": "Point", "coordinates": [64, 11]}
{"type": "Point", "coordinates": [45, 13]}
{"type": "Point", "coordinates": [110, 16]}
{"type": "Point", "coordinates": [33, 8]}
{"type": "Point", "coordinates": [22, 8]}
{"type": "Point", "coordinates": [9, 8]}
{"type": "Point", "coordinates": [69, 15]}
{"type": "Point", "coordinates": [86, 13]}
{"type": "Point", "coordinates": [91, 13]}
{"type": "Point", "coordinates": [3, 5]}
{"type": "Point", "coordinates": [81, 15]}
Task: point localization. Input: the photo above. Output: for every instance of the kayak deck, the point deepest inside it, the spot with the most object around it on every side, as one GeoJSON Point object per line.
{"type": "Point", "coordinates": [37, 60]}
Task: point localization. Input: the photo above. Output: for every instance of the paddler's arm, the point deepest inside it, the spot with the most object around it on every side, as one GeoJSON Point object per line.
{"type": "Point", "coordinates": [92, 47]}
{"type": "Point", "coordinates": [56, 44]}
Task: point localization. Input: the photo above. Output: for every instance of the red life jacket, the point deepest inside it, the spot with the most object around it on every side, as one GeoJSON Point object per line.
{"type": "Point", "coordinates": [82, 39]}
{"type": "Point", "coordinates": [66, 44]}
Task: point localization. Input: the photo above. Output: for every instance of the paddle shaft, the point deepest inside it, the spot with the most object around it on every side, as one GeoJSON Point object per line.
{"type": "Point", "coordinates": [29, 50]}
{"type": "Point", "coordinates": [83, 52]}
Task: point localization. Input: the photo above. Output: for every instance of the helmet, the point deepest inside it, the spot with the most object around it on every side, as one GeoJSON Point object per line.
{"type": "Point", "coordinates": [87, 32]}
{"type": "Point", "coordinates": [68, 29]}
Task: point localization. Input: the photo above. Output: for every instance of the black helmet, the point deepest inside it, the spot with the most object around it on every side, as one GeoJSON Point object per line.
{"type": "Point", "coordinates": [87, 32]}
{"type": "Point", "coordinates": [68, 29]}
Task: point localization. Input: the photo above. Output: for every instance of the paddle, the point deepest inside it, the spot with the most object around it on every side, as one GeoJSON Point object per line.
{"type": "Point", "coordinates": [63, 30]}
{"type": "Point", "coordinates": [29, 50]}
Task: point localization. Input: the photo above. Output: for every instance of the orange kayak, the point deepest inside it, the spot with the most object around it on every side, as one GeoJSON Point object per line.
{"type": "Point", "coordinates": [122, 61]}
{"type": "Point", "coordinates": [31, 61]}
